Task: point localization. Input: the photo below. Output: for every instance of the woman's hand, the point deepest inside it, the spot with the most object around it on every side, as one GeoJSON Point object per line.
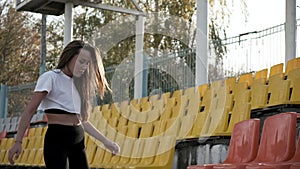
{"type": "Point", "coordinates": [113, 147]}
{"type": "Point", "coordinates": [14, 152]}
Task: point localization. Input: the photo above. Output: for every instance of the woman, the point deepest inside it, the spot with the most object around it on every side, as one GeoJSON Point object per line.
{"type": "Point", "coordinates": [66, 95]}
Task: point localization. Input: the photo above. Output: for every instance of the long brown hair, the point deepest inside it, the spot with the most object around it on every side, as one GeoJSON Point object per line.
{"type": "Point", "coordinates": [92, 81]}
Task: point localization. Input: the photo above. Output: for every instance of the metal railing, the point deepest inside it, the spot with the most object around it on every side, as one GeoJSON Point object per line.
{"type": "Point", "coordinates": [247, 52]}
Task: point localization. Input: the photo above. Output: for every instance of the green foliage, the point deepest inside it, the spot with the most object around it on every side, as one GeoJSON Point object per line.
{"type": "Point", "coordinates": [19, 46]}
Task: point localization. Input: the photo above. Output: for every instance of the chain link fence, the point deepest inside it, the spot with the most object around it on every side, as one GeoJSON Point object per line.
{"type": "Point", "coordinates": [247, 52]}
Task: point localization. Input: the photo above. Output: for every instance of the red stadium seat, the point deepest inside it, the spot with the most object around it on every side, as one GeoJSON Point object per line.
{"type": "Point", "coordinates": [243, 144]}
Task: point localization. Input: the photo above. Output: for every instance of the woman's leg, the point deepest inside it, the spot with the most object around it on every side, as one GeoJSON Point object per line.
{"type": "Point", "coordinates": [55, 149]}
{"type": "Point", "coordinates": [77, 156]}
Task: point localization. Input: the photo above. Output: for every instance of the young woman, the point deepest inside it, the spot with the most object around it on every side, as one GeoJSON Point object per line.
{"type": "Point", "coordinates": [66, 95]}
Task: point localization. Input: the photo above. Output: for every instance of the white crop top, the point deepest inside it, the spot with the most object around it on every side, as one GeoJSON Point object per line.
{"type": "Point", "coordinates": [62, 93]}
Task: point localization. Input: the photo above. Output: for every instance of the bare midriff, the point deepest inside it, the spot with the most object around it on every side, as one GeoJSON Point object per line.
{"type": "Point", "coordinates": [63, 119]}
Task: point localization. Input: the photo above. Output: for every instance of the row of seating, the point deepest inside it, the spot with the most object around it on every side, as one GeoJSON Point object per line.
{"type": "Point", "coordinates": [275, 148]}
{"type": "Point", "coordinates": [10, 124]}
{"type": "Point", "coordinates": [32, 154]}
{"type": "Point", "coordinates": [146, 127]}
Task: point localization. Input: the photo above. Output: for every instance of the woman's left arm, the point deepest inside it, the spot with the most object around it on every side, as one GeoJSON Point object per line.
{"type": "Point", "coordinates": [91, 130]}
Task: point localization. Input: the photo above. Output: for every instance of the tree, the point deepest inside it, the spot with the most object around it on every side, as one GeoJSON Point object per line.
{"type": "Point", "coordinates": [19, 46]}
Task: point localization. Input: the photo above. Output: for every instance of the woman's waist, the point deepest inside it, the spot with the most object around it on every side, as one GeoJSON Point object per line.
{"type": "Point", "coordinates": [63, 119]}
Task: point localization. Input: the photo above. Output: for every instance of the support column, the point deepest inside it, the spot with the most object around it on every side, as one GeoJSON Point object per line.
{"type": "Point", "coordinates": [138, 61]}
{"type": "Point", "coordinates": [3, 101]}
{"type": "Point", "coordinates": [290, 30]}
{"type": "Point", "coordinates": [43, 44]}
{"type": "Point", "coordinates": [68, 28]}
{"type": "Point", "coordinates": [202, 42]}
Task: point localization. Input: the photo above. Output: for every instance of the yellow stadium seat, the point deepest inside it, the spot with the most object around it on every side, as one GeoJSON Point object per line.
{"type": "Point", "coordinates": [247, 77]}
{"type": "Point", "coordinates": [126, 152]}
{"type": "Point", "coordinates": [294, 77]}
{"type": "Point", "coordinates": [172, 126]}
{"type": "Point", "coordinates": [98, 157]}
{"type": "Point", "coordinates": [133, 130]}
{"type": "Point", "coordinates": [278, 90]}
{"type": "Point", "coordinates": [137, 152]}
{"type": "Point", "coordinates": [5, 161]}
{"type": "Point", "coordinates": [39, 158]}
{"type": "Point", "coordinates": [201, 90]}
{"type": "Point", "coordinates": [241, 109]}
{"type": "Point", "coordinates": [2, 155]}
{"type": "Point", "coordinates": [125, 109]}
{"type": "Point", "coordinates": [276, 69]}
{"type": "Point", "coordinates": [202, 114]}
{"type": "Point", "coordinates": [261, 74]}
{"type": "Point", "coordinates": [115, 110]}
{"type": "Point", "coordinates": [146, 130]}
{"type": "Point", "coordinates": [91, 148]}
{"type": "Point", "coordinates": [217, 118]}
{"type": "Point", "coordinates": [193, 104]}
{"type": "Point", "coordinates": [259, 94]}
{"type": "Point", "coordinates": [149, 152]}
{"type": "Point", "coordinates": [166, 113]}
{"type": "Point", "coordinates": [186, 126]}
{"type": "Point", "coordinates": [292, 64]}
{"type": "Point", "coordinates": [165, 154]}
{"type": "Point", "coordinates": [105, 107]}
{"type": "Point", "coordinates": [189, 91]}
{"type": "Point", "coordinates": [159, 127]}
{"type": "Point", "coordinates": [106, 114]}
{"type": "Point", "coordinates": [230, 83]}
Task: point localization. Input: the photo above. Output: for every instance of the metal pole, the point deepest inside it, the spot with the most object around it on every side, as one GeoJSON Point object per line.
{"type": "Point", "coordinates": [202, 43]}
{"type": "Point", "coordinates": [43, 44]}
{"type": "Point", "coordinates": [3, 101]}
{"type": "Point", "coordinates": [290, 30]}
{"type": "Point", "coordinates": [68, 29]}
{"type": "Point", "coordinates": [138, 61]}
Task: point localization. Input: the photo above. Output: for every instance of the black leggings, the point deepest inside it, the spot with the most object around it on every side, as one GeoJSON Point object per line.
{"type": "Point", "coordinates": [62, 144]}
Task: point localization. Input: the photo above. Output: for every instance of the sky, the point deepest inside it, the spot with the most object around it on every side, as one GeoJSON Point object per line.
{"type": "Point", "coordinates": [262, 14]}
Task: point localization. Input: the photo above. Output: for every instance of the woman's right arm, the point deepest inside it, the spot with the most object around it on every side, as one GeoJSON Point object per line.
{"type": "Point", "coordinates": [26, 116]}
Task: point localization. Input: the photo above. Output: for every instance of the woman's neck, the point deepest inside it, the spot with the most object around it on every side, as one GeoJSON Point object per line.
{"type": "Point", "coordinates": [67, 71]}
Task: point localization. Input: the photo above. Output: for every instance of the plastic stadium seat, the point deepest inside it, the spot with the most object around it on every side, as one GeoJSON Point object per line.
{"type": "Point", "coordinates": [126, 152]}
{"type": "Point", "coordinates": [294, 77]}
{"type": "Point", "coordinates": [276, 69]}
{"type": "Point", "coordinates": [292, 64]}
{"type": "Point", "coordinates": [98, 157]}
{"type": "Point", "coordinates": [115, 110]}
{"type": "Point", "coordinates": [189, 91]}
{"type": "Point", "coordinates": [259, 94]}
{"type": "Point", "coordinates": [230, 84]}
{"type": "Point", "coordinates": [217, 118]}
{"type": "Point", "coordinates": [295, 161]}
{"type": "Point", "coordinates": [241, 107]}
{"type": "Point", "coordinates": [39, 158]}
{"type": "Point", "coordinates": [243, 144]}
{"type": "Point", "coordinates": [186, 126]}
{"type": "Point", "coordinates": [261, 74]}
{"type": "Point", "coordinates": [164, 154]}
{"type": "Point", "coordinates": [159, 127]}
{"type": "Point", "coordinates": [203, 112]}
{"type": "Point", "coordinates": [278, 90]}
{"type": "Point", "coordinates": [201, 90]}
{"type": "Point", "coordinates": [193, 105]}
{"type": "Point", "coordinates": [277, 142]}
{"type": "Point", "coordinates": [105, 107]}
{"type": "Point", "coordinates": [149, 152]}
{"type": "Point", "coordinates": [247, 77]}
{"type": "Point", "coordinates": [146, 130]}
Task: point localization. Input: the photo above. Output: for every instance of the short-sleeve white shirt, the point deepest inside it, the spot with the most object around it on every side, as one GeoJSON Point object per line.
{"type": "Point", "coordinates": [61, 92]}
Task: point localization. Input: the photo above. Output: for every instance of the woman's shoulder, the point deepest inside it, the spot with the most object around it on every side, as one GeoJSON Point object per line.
{"type": "Point", "coordinates": [51, 73]}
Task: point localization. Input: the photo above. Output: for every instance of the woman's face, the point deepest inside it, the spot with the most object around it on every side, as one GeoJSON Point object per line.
{"type": "Point", "coordinates": [80, 63]}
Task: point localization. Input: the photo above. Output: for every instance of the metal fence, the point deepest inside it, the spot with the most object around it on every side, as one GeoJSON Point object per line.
{"type": "Point", "coordinates": [247, 52]}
